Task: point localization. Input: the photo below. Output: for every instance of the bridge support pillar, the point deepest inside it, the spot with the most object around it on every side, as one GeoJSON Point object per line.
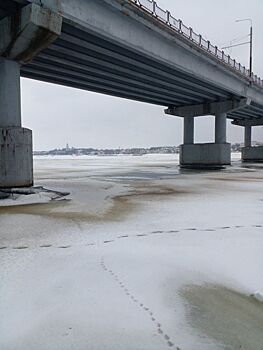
{"type": "Point", "coordinates": [220, 128]}
{"type": "Point", "coordinates": [248, 136]}
{"type": "Point", "coordinates": [16, 160]}
{"type": "Point", "coordinates": [249, 153]}
{"type": "Point", "coordinates": [206, 155]}
{"type": "Point", "coordinates": [252, 154]}
{"type": "Point", "coordinates": [188, 130]}
{"type": "Point", "coordinates": [23, 36]}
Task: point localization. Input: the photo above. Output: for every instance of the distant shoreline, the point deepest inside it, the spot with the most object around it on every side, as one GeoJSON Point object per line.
{"type": "Point", "coordinates": [110, 155]}
{"type": "Point", "coordinates": [136, 151]}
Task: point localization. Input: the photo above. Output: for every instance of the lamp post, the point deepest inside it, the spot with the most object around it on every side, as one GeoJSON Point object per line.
{"type": "Point", "coordinates": [251, 43]}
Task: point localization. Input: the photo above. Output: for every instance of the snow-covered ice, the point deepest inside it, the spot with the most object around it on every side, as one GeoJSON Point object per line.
{"type": "Point", "coordinates": [140, 256]}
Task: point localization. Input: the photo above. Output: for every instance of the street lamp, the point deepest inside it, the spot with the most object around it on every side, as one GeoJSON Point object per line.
{"type": "Point", "coordinates": [250, 42]}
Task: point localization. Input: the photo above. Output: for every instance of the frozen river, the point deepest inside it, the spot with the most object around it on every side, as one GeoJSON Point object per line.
{"type": "Point", "coordinates": [141, 256]}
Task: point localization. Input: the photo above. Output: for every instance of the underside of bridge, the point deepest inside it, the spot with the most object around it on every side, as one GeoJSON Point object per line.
{"type": "Point", "coordinates": [130, 54]}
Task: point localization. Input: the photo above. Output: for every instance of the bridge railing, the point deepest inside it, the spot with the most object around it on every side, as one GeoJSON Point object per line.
{"type": "Point", "coordinates": [176, 24]}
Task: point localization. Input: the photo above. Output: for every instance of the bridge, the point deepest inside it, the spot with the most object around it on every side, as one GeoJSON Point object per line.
{"type": "Point", "coordinates": [132, 49]}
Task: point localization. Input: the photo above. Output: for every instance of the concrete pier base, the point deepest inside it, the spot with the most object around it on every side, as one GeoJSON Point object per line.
{"type": "Point", "coordinates": [207, 155]}
{"type": "Point", "coordinates": [252, 154]}
{"type": "Point", "coordinates": [16, 162]}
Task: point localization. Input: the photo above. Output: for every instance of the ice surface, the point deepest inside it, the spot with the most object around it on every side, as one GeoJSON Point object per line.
{"type": "Point", "coordinates": [108, 268]}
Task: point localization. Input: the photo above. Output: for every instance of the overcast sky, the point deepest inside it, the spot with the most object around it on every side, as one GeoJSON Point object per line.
{"type": "Point", "coordinates": [59, 115]}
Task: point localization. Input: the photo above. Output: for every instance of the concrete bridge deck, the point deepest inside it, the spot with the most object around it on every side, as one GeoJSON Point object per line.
{"type": "Point", "coordinates": [118, 48]}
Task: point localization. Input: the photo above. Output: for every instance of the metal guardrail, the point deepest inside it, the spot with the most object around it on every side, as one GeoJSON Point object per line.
{"type": "Point", "coordinates": [176, 24]}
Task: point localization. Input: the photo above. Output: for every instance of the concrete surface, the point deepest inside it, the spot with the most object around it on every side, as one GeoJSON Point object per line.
{"type": "Point", "coordinates": [10, 106]}
{"type": "Point", "coordinates": [206, 154]}
{"type": "Point", "coordinates": [252, 154]}
{"type": "Point", "coordinates": [16, 161]}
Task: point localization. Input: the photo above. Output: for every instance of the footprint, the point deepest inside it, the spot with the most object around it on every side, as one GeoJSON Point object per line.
{"type": "Point", "coordinates": [173, 231]}
{"type": "Point", "coordinates": [64, 246]}
{"type": "Point", "coordinates": [157, 232]}
{"type": "Point", "coordinates": [108, 241]}
{"type": "Point", "coordinates": [131, 296]}
{"type": "Point", "coordinates": [126, 236]}
{"type": "Point", "coordinates": [191, 229]}
{"type": "Point", "coordinates": [141, 235]}
{"type": "Point", "coordinates": [46, 246]}
{"type": "Point", "coordinates": [21, 247]}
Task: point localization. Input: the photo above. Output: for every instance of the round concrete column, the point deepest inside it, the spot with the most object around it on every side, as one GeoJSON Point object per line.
{"type": "Point", "coordinates": [248, 136]}
{"type": "Point", "coordinates": [220, 128]}
{"type": "Point", "coordinates": [16, 160]}
{"type": "Point", "coordinates": [10, 104]}
{"type": "Point", "coordinates": [188, 130]}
